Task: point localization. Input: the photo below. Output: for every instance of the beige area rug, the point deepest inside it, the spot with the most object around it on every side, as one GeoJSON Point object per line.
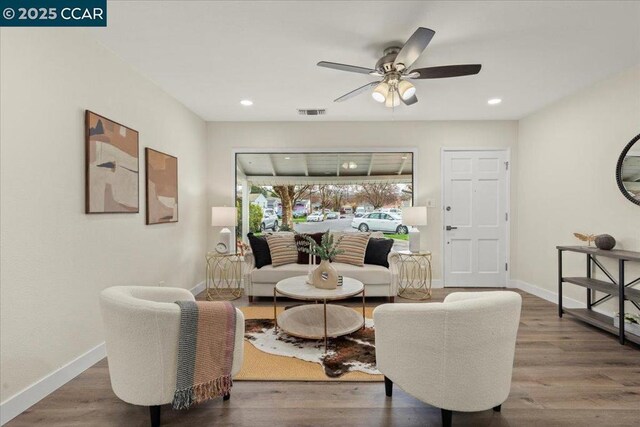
{"type": "Point", "coordinates": [348, 357]}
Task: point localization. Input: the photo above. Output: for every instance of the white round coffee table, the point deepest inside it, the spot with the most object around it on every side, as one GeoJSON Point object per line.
{"type": "Point", "coordinates": [317, 321]}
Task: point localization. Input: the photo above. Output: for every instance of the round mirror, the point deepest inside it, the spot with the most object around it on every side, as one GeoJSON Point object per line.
{"type": "Point", "coordinates": [628, 171]}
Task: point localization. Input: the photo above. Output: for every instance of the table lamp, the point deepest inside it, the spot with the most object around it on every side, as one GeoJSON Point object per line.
{"type": "Point", "coordinates": [224, 216]}
{"type": "Point", "coordinates": [415, 217]}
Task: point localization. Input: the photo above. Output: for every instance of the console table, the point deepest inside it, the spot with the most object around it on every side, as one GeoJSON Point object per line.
{"type": "Point", "coordinates": [615, 287]}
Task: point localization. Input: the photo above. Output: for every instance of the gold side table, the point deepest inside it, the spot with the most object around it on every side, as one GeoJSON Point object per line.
{"type": "Point", "coordinates": [224, 276]}
{"type": "Point", "coordinates": [414, 275]}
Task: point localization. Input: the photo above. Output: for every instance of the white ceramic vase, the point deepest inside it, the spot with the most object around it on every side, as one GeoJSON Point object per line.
{"type": "Point", "coordinates": [325, 276]}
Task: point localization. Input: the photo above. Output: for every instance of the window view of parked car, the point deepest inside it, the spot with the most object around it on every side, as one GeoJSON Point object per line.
{"type": "Point", "coordinates": [380, 221]}
{"type": "Point", "coordinates": [315, 217]}
{"type": "Point", "coordinates": [269, 220]}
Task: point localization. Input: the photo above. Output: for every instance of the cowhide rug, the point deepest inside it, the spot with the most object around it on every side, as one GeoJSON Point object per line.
{"type": "Point", "coordinates": [354, 352]}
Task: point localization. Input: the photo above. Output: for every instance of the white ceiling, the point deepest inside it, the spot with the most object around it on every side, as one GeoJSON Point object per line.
{"type": "Point", "coordinates": [210, 55]}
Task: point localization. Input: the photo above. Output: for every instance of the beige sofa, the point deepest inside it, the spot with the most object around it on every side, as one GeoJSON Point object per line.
{"type": "Point", "coordinates": [379, 281]}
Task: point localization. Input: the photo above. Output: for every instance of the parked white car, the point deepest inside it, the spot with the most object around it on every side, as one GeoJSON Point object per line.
{"type": "Point", "coordinates": [269, 220]}
{"type": "Point", "coordinates": [315, 217]}
{"type": "Point", "coordinates": [380, 221]}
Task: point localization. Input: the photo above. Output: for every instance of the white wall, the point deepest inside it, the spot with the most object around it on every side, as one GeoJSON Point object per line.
{"type": "Point", "coordinates": [566, 179]}
{"type": "Point", "coordinates": [427, 137]}
{"type": "Point", "coordinates": [55, 258]}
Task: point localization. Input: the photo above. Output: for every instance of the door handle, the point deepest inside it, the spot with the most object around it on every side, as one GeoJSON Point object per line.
{"type": "Point", "coordinates": [449, 228]}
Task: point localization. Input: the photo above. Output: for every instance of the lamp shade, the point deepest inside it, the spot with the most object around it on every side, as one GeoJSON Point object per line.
{"type": "Point", "coordinates": [223, 216]}
{"type": "Point", "coordinates": [414, 216]}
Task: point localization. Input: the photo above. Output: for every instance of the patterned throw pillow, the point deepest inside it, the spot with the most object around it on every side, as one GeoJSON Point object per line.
{"type": "Point", "coordinates": [283, 249]}
{"type": "Point", "coordinates": [354, 246]}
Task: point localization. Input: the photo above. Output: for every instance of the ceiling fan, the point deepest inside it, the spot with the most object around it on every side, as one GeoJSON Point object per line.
{"type": "Point", "coordinates": [395, 69]}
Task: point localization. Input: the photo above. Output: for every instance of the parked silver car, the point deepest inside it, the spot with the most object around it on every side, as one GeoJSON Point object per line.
{"type": "Point", "coordinates": [332, 215]}
{"type": "Point", "coordinates": [380, 221]}
{"type": "Point", "coordinates": [269, 220]}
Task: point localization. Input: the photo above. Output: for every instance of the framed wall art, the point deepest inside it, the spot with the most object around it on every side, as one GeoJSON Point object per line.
{"type": "Point", "coordinates": [162, 187]}
{"type": "Point", "coordinates": [111, 166]}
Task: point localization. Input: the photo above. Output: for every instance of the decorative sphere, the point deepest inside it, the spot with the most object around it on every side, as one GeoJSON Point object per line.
{"type": "Point", "coordinates": [605, 242]}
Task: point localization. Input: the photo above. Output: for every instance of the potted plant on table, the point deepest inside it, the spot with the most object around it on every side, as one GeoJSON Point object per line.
{"type": "Point", "coordinates": [324, 276]}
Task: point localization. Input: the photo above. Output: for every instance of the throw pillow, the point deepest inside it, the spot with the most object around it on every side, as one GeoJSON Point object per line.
{"type": "Point", "coordinates": [283, 249]}
{"type": "Point", "coordinates": [303, 257]}
{"type": "Point", "coordinates": [378, 252]}
{"type": "Point", "coordinates": [354, 246]}
{"type": "Point", "coordinates": [260, 250]}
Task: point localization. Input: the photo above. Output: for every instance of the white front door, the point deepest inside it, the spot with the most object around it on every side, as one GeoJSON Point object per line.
{"type": "Point", "coordinates": [475, 217]}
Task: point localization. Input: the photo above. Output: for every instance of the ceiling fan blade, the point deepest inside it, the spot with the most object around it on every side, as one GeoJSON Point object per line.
{"type": "Point", "coordinates": [356, 92]}
{"type": "Point", "coordinates": [409, 101]}
{"type": "Point", "coordinates": [413, 48]}
{"type": "Point", "coordinates": [445, 71]}
{"type": "Point", "coordinates": [345, 67]}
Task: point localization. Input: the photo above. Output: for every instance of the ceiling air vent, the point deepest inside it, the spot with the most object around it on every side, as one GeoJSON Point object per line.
{"type": "Point", "coordinates": [312, 111]}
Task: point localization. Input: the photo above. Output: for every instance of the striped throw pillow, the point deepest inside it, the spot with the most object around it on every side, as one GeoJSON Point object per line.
{"type": "Point", "coordinates": [354, 246]}
{"type": "Point", "coordinates": [283, 249]}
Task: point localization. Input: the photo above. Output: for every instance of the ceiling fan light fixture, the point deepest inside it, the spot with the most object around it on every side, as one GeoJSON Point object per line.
{"type": "Point", "coordinates": [406, 89]}
{"type": "Point", "coordinates": [379, 94]}
{"type": "Point", "coordinates": [393, 99]}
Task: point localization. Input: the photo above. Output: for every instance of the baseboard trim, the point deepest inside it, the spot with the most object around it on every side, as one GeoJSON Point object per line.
{"type": "Point", "coordinates": [23, 400]}
{"type": "Point", "coordinates": [547, 295]}
{"type": "Point", "coordinates": [198, 288]}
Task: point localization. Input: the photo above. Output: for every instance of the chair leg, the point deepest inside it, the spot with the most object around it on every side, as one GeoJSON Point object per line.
{"type": "Point", "coordinates": [226, 396]}
{"type": "Point", "coordinates": [388, 387]}
{"type": "Point", "coordinates": [154, 411]}
{"type": "Point", "coordinates": [392, 299]}
{"type": "Point", "coordinates": [497, 408]}
{"type": "Point", "coordinates": [250, 298]}
{"type": "Point", "coordinates": [446, 417]}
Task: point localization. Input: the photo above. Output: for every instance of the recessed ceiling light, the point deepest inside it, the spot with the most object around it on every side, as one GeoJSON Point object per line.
{"type": "Point", "coordinates": [494, 101]}
{"type": "Point", "coordinates": [287, 158]}
{"type": "Point", "coordinates": [246, 102]}
{"type": "Point", "coordinates": [349, 165]}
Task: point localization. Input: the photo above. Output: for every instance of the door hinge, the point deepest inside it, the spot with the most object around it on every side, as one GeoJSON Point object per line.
{"type": "Point", "coordinates": [506, 216]}
{"type": "Point", "coordinates": [506, 165]}
{"type": "Point", "coordinates": [506, 266]}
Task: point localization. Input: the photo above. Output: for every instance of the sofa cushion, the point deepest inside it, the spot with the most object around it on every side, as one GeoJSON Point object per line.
{"type": "Point", "coordinates": [283, 249]}
{"type": "Point", "coordinates": [303, 257]}
{"type": "Point", "coordinates": [378, 252]}
{"type": "Point", "coordinates": [367, 274]}
{"type": "Point", "coordinates": [260, 250]}
{"type": "Point", "coordinates": [353, 246]}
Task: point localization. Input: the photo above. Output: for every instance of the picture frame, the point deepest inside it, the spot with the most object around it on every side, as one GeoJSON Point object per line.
{"type": "Point", "coordinates": [161, 189]}
{"type": "Point", "coordinates": [112, 166]}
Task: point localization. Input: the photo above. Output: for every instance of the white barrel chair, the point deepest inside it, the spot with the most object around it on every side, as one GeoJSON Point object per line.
{"type": "Point", "coordinates": [141, 325]}
{"type": "Point", "coordinates": [456, 355]}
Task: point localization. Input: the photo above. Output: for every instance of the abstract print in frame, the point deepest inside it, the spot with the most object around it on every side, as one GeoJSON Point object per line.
{"type": "Point", "coordinates": [162, 187]}
{"type": "Point", "coordinates": [112, 183]}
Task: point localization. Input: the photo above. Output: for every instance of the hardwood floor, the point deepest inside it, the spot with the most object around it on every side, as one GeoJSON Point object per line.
{"type": "Point", "coordinates": [566, 374]}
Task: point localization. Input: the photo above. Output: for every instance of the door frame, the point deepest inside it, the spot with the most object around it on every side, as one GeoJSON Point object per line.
{"type": "Point", "coordinates": [507, 151]}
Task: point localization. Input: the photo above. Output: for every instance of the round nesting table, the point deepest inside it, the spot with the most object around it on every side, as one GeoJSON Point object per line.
{"type": "Point", "coordinates": [317, 321]}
